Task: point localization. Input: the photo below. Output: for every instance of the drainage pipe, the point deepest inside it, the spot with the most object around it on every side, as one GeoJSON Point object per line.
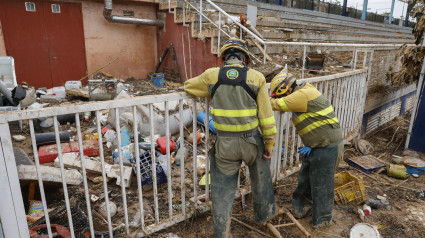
{"type": "Point", "coordinates": [107, 13]}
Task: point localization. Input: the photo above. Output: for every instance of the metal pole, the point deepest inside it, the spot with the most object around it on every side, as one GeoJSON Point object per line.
{"type": "Point", "coordinates": [391, 12]}
{"type": "Point", "coordinates": [406, 20]}
{"type": "Point", "coordinates": [305, 50]}
{"type": "Point", "coordinates": [415, 105]}
{"type": "Point", "coordinates": [344, 8]}
{"type": "Point", "coordinates": [200, 16]}
{"type": "Point", "coordinates": [364, 12]}
{"type": "Point", "coordinates": [219, 35]}
{"type": "Point", "coordinates": [265, 48]}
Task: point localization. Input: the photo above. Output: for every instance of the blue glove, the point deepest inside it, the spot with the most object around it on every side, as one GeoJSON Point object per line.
{"type": "Point", "coordinates": [304, 151]}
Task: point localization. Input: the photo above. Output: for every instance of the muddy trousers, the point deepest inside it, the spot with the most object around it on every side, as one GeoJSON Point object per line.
{"type": "Point", "coordinates": [223, 189]}
{"type": "Point", "coordinates": [316, 184]}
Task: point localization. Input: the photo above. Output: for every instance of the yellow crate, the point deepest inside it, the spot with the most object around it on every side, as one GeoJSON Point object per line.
{"type": "Point", "coordinates": [349, 189]}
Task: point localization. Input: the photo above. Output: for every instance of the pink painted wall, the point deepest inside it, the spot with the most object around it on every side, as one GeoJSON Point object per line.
{"type": "Point", "coordinates": [202, 58]}
{"type": "Point", "coordinates": [134, 45]}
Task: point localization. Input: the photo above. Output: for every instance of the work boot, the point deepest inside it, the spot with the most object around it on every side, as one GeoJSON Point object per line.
{"type": "Point", "coordinates": [300, 214]}
{"type": "Point", "coordinates": [263, 199]}
{"type": "Point", "coordinates": [223, 188]}
{"type": "Point", "coordinates": [323, 224]}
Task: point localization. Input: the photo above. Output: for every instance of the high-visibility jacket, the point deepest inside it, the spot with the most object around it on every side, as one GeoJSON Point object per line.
{"type": "Point", "coordinates": [236, 108]}
{"type": "Point", "coordinates": [313, 116]}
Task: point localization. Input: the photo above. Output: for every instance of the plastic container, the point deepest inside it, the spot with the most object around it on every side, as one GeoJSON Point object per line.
{"type": "Point", "coordinates": [59, 92]}
{"type": "Point", "coordinates": [396, 171]}
{"type": "Point", "coordinates": [158, 79]}
{"type": "Point", "coordinates": [201, 118]}
{"type": "Point", "coordinates": [101, 90]}
{"type": "Point", "coordinates": [366, 163]}
{"type": "Point", "coordinates": [7, 72]}
{"type": "Point", "coordinates": [162, 143]}
{"type": "Point", "coordinates": [72, 84]}
{"type": "Point", "coordinates": [146, 170]}
{"type": "Point", "coordinates": [363, 230]}
{"type": "Point", "coordinates": [349, 189]}
{"type": "Point", "coordinates": [367, 210]}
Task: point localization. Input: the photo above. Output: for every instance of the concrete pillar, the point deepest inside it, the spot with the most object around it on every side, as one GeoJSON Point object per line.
{"type": "Point", "coordinates": [364, 10]}
{"type": "Point", "coordinates": [391, 12]}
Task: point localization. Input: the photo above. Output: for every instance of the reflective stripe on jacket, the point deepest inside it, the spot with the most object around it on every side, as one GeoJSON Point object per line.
{"type": "Point", "coordinates": [233, 108]}
{"type": "Point", "coordinates": [314, 116]}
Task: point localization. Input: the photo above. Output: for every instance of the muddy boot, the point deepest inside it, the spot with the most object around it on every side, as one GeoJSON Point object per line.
{"type": "Point", "coordinates": [302, 195]}
{"type": "Point", "coordinates": [223, 188]}
{"type": "Point", "coordinates": [262, 187]}
{"type": "Point", "coordinates": [322, 172]}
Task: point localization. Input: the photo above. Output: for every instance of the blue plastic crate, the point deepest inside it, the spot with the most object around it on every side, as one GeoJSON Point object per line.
{"type": "Point", "coordinates": [366, 163]}
{"type": "Point", "coordinates": [146, 170]}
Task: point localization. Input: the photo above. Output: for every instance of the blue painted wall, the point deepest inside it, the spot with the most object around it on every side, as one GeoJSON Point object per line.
{"type": "Point", "coordinates": [417, 139]}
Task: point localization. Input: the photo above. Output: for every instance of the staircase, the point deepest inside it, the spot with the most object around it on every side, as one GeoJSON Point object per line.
{"type": "Point", "coordinates": [277, 23]}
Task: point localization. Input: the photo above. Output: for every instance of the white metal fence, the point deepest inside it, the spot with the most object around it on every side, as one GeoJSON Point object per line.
{"type": "Point", "coordinates": [345, 91]}
{"type": "Point", "coordinates": [347, 94]}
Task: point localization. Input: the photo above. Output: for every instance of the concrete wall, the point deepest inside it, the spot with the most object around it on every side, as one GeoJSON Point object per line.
{"type": "Point", "coordinates": [200, 51]}
{"type": "Point", "coordinates": [136, 46]}
{"type": "Point", "coordinates": [381, 63]}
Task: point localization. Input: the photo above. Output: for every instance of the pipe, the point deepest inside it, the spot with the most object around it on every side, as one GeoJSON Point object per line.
{"type": "Point", "coordinates": [364, 12]}
{"type": "Point", "coordinates": [107, 13]}
{"type": "Point", "coordinates": [391, 13]}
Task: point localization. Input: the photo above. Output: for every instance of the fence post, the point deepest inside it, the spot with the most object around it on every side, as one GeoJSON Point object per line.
{"type": "Point", "coordinates": [12, 211]}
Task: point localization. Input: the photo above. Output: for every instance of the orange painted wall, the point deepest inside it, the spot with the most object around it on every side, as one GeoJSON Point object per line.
{"type": "Point", "coordinates": [136, 46]}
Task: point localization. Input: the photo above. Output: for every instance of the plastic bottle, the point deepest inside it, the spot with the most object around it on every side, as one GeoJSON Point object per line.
{"type": "Point", "coordinates": [367, 210]}
{"type": "Point", "coordinates": [59, 92]}
{"type": "Point", "coordinates": [181, 155]}
{"type": "Point", "coordinates": [362, 216]}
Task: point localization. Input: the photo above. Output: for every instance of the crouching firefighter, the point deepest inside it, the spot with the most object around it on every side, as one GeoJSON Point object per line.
{"type": "Point", "coordinates": [316, 123]}
{"type": "Point", "coordinates": [246, 129]}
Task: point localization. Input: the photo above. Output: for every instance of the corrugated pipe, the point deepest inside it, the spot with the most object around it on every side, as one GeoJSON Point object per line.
{"type": "Point", "coordinates": [107, 13]}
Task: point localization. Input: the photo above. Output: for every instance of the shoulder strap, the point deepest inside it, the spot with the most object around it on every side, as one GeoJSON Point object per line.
{"type": "Point", "coordinates": [240, 80]}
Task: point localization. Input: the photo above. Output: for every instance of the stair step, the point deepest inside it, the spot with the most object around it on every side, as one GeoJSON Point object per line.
{"type": "Point", "coordinates": [165, 5]}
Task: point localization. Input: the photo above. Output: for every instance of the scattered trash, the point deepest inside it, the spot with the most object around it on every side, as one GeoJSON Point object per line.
{"type": "Point", "coordinates": [125, 137]}
{"type": "Point", "coordinates": [48, 138]}
{"type": "Point", "coordinates": [146, 170]}
{"type": "Point", "coordinates": [49, 98]}
{"type": "Point", "coordinates": [19, 138]}
{"type": "Point", "coordinates": [198, 138]}
{"type": "Point", "coordinates": [35, 105]}
{"type": "Point", "coordinates": [110, 135]}
{"type": "Point", "coordinates": [158, 79]}
{"type": "Point", "coordinates": [29, 98]}
{"type": "Point", "coordinates": [362, 215]}
{"type": "Point", "coordinates": [48, 153]}
{"type": "Point", "coordinates": [203, 181]}
{"type": "Point", "coordinates": [59, 92]}
{"type": "Point", "coordinates": [367, 163]}
{"type": "Point", "coordinates": [41, 231]}
{"type": "Point", "coordinates": [93, 136]}
{"type": "Point", "coordinates": [127, 155]}
{"type": "Point", "coordinates": [49, 174]}
{"type": "Point", "coordinates": [101, 90]}
{"type": "Point", "coordinates": [21, 157]}
{"type": "Point", "coordinates": [367, 209]}
{"type": "Point", "coordinates": [202, 163]}
{"type": "Point", "coordinates": [396, 171]}
{"type": "Point", "coordinates": [181, 155]}
{"type": "Point", "coordinates": [112, 209]}
{"type": "Point", "coordinates": [363, 146]}
{"type": "Point", "coordinates": [415, 175]}
{"type": "Point", "coordinates": [201, 120]}
{"type": "Point", "coordinates": [349, 189]}
{"type": "Point", "coordinates": [35, 207]}
{"type": "Point", "coordinates": [162, 143]}
{"type": "Point", "coordinates": [362, 230]}
{"type": "Point", "coordinates": [94, 198]}
{"type": "Point", "coordinates": [414, 166]}
{"type": "Point", "coordinates": [72, 84]}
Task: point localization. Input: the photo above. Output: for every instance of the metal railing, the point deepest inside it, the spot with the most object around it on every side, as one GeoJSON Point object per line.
{"type": "Point", "coordinates": [346, 92]}
{"type": "Point", "coordinates": [343, 90]}
{"type": "Point", "coordinates": [265, 43]}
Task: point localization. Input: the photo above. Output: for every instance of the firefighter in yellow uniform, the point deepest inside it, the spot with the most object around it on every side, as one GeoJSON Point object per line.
{"type": "Point", "coordinates": [321, 134]}
{"type": "Point", "coordinates": [246, 129]}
